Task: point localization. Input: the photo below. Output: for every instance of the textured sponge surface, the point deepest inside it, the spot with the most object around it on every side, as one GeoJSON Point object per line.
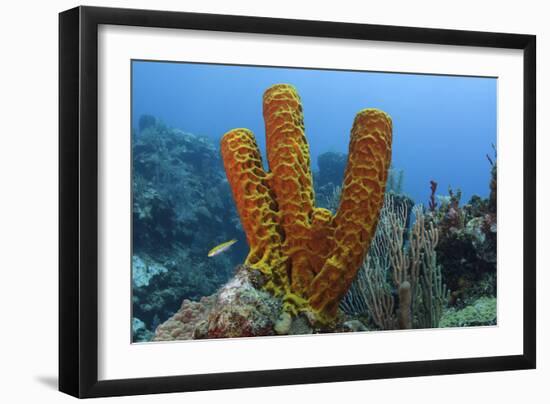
{"type": "Point", "coordinates": [309, 256]}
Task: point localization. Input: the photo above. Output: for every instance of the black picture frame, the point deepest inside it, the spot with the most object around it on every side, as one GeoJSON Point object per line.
{"type": "Point", "coordinates": [78, 201]}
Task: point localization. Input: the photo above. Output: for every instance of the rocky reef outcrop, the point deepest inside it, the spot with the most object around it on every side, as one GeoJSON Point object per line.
{"type": "Point", "coordinates": [467, 249]}
{"type": "Point", "coordinates": [178, 186]}
{"type": "Point", "coordinates": [238, 309]}
{"type": "Point", "coordinates": [241, 308]}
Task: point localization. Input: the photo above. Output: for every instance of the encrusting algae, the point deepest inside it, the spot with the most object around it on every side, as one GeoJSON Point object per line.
{"type": "Point", "coordinates": [308, 255]}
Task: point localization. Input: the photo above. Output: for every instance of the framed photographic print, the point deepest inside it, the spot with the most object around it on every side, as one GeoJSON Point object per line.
{"type": "Point", "coordinates": [251, 201]}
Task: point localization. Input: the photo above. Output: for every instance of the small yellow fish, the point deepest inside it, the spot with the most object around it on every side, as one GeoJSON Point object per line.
{"type": "Point", "coordinates": [221, 248]}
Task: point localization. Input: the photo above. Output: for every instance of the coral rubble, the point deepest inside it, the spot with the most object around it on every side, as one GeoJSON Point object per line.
{"type": "Point", "coordinates": [309, 256]}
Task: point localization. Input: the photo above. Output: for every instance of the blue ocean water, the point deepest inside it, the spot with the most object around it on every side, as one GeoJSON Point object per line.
{"type": "Point", "coordinates": [444, 126]}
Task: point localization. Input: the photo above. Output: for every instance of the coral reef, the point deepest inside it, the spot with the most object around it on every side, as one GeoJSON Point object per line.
{"type": "Point", "coordinates": [449, 254]}
{"type": "Point", "coordinates": [313, 263]}
{"type": "Point", "coordinates": [178, 184]}
{"type": "Point", "coordinates": [309, 256]}
{"type": "Point", "coordinates": [400, 264]}
{"type": "Point", "coordinates": [467, 242]}
{"type": "Point", "coordinates": [140, 331]}
{"type": "Point", "coordinates": [482, 311]}
{"type": "Point", "coordinates": [143, 272]}
{"type": "Point", "coordinates": [154, 218]}
{"type": "Point", "coordinates": [242, 307]}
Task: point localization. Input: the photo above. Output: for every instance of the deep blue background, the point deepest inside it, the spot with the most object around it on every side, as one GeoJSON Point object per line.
{"type": "Point", "coordinates": [443, 125]}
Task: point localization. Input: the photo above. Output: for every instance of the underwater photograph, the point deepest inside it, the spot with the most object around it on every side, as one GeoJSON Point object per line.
{"type": "Point", "coordinates": [276, 201]}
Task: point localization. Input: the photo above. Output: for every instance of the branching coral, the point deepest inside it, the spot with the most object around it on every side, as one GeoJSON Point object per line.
{"type": "Point", "coordinates": [378, 296]}
{"type": "Point", "coordinates": [416, 273]}
{"type": "Point", "coordinates": [410, 260]}
{"type": "Point", "coordinates": [309, 255]}
{"type": "Point", "coordinates": [370, 292]}
{"type": "Point", "coordinates": [405, 262]}
{"type": "Point", "coordinates": [432, 292]}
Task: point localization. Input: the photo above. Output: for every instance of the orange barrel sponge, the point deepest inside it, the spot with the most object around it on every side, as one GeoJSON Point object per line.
{"type": "Point", "coordinates": [292, 182]}
{"type": "Point", "coordinates": [255, 204]}
{"type": "Point", "coordinates": [310, 256]}
{"type": "Point", "coordinates": [358, 212]}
